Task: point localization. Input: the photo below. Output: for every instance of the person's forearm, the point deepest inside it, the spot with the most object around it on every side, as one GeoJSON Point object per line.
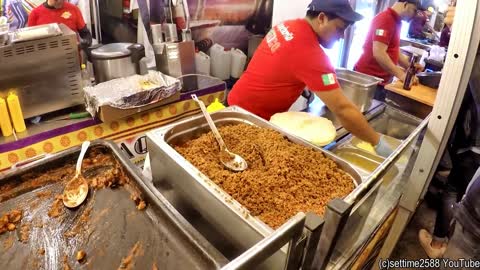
{"type": "Point", "coordinates": [387, 64]}
{"type": "Point", "coordinates": [86, 37]}
{"type": "Point", "coordinates": [354, 121]}
{"type": "Point", "coordinates": [403, 60]}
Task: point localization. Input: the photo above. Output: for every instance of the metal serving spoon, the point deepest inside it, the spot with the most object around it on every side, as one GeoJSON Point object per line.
{"type": "Point", "coordinates": [230, 160]}
{"type": "Point", "coordinates": [76, 189]}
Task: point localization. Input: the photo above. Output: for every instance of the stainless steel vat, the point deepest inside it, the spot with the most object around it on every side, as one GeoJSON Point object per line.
{"type": "Point", "coordinates": [174, 174]}
{"type": "Point", "coordinates": [116, 60]}
{"type": "Point", "coordinates": [358, 87]}
{"type": "Point", "coordinates": [365, 162]}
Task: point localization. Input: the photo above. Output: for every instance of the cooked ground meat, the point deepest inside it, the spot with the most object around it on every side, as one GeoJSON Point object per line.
{"type": "Point", "coordinates": [66, 266]}
{"type": "Point", "coordinates": [282, 179]}
{"type": "Point", "coordinates": [81, 255]}
{"type": "Point", "coordinates": [129, 261]}
{"type": "Point", "coordinates": [8, 220]}
{"type": "Point", "coordinates": [57, 207]}
{"type": "Point", "coordinates": [141, 204]}
{"type": "Point", "coordinates": [24, 233]}
{"type": "Point", "coordinates": [8, 243]}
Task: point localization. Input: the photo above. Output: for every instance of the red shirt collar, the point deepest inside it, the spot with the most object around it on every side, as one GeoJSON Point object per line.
{"type": "Point", "coordinates": [395, 15]}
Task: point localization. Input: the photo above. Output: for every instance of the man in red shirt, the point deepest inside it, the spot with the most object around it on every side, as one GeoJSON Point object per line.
{"type": "Point", "coordinates": [290, 58]}
{"type": "Point", "coordinates": [57, 11]}
{"type": "Point", "coordinates": [381, 52]}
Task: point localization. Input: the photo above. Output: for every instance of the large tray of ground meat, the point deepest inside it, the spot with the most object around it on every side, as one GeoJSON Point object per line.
{"type": "Point", "coordinates": [286, 174]}
{"type": "Point", "coordinates": [121, 225]}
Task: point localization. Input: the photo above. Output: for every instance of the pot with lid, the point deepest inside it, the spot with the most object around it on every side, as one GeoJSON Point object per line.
{"type": "Point", "coordinates": [116, 60]}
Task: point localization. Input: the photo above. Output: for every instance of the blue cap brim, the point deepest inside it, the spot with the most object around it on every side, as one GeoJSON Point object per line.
{"type": "Point", "coordinates": [350, 16]}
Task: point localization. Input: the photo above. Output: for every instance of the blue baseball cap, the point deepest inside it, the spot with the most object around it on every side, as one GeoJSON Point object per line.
{"type": "Point", "coordinates": [417, 3]}
{"type": "Point", "coordinates": [340, 8]}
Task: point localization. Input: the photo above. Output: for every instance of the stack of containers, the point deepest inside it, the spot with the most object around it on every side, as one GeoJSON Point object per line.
{"type": "Point", "coordinates": [227, 63]}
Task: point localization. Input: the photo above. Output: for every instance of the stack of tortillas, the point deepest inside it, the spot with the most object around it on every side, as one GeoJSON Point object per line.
{"type": "Point", "coordinates": [317, 130]}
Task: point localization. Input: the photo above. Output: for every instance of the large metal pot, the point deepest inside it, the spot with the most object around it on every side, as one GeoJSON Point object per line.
{"type": "Point", "coordinates": [116, 60]}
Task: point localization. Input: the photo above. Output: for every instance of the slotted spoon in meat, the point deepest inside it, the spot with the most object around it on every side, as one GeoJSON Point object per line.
{"type": "Point", "coordinates": [230, 160]}
{"type": "Point", "coordinates": [76, 189]}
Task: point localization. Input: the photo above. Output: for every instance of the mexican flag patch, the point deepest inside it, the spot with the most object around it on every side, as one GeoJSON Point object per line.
{"type": "Point", "coordinates": [380, 32]}
{"type": "Point", "coordinates": [328, 79]}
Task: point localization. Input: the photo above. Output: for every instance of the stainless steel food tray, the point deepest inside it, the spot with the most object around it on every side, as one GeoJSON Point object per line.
{"type": "Point", "coordinates": [229, 218]}
{"type": "Point", "coordinates": [358, 87]}
{"type": "Point", "coordinates": [112, 228]}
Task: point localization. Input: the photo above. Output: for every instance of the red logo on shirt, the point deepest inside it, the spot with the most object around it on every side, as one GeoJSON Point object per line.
{"type": "Point", "coordinates": [66, 15]}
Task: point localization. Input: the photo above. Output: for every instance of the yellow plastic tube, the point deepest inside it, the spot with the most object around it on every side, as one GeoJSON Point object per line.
{"type": "Point", "coordinates": [5, 124]}
{"type": "Point", "coordinates": [16, 112]}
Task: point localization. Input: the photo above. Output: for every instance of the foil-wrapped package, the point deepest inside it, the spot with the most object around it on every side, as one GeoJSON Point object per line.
{"type": "Point", "coordinates": [131, 92]}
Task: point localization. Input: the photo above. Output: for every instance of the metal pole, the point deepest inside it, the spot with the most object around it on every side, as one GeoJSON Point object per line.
{"type": "Point", "coordinates": [96, 21]}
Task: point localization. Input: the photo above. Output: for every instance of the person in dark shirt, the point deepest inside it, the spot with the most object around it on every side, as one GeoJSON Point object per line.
{"type": "Point", "coordinates": [417, 24]}
{"type": "Point", "coordinates": [464, 149]}
{"type": "Point", "coordinates": [466, 235]}
{"type": "Point", "coordinates": [445, 36]}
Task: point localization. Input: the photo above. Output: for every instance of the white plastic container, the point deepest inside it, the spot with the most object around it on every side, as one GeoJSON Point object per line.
{"type": "Point", "coordinates": [221, 61]}
{"type": "Point", "coordinates": [239, 59]}
{"type": "Point", "coordinates": [202, 63]}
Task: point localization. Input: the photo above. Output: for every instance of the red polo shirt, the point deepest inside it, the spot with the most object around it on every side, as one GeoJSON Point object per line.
{"type": "Point", "coordinates": [288, 59]}
{"type": "Point", "coordinates": [385, 28]}
{"type": "Point", "coordinates": [69, 15]}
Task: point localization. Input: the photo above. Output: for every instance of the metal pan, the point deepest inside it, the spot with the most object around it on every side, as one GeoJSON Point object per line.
{"type": "Point", "coordinates": [173, 174]}
{"type": "Point", "coordinates": [108, 226]}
